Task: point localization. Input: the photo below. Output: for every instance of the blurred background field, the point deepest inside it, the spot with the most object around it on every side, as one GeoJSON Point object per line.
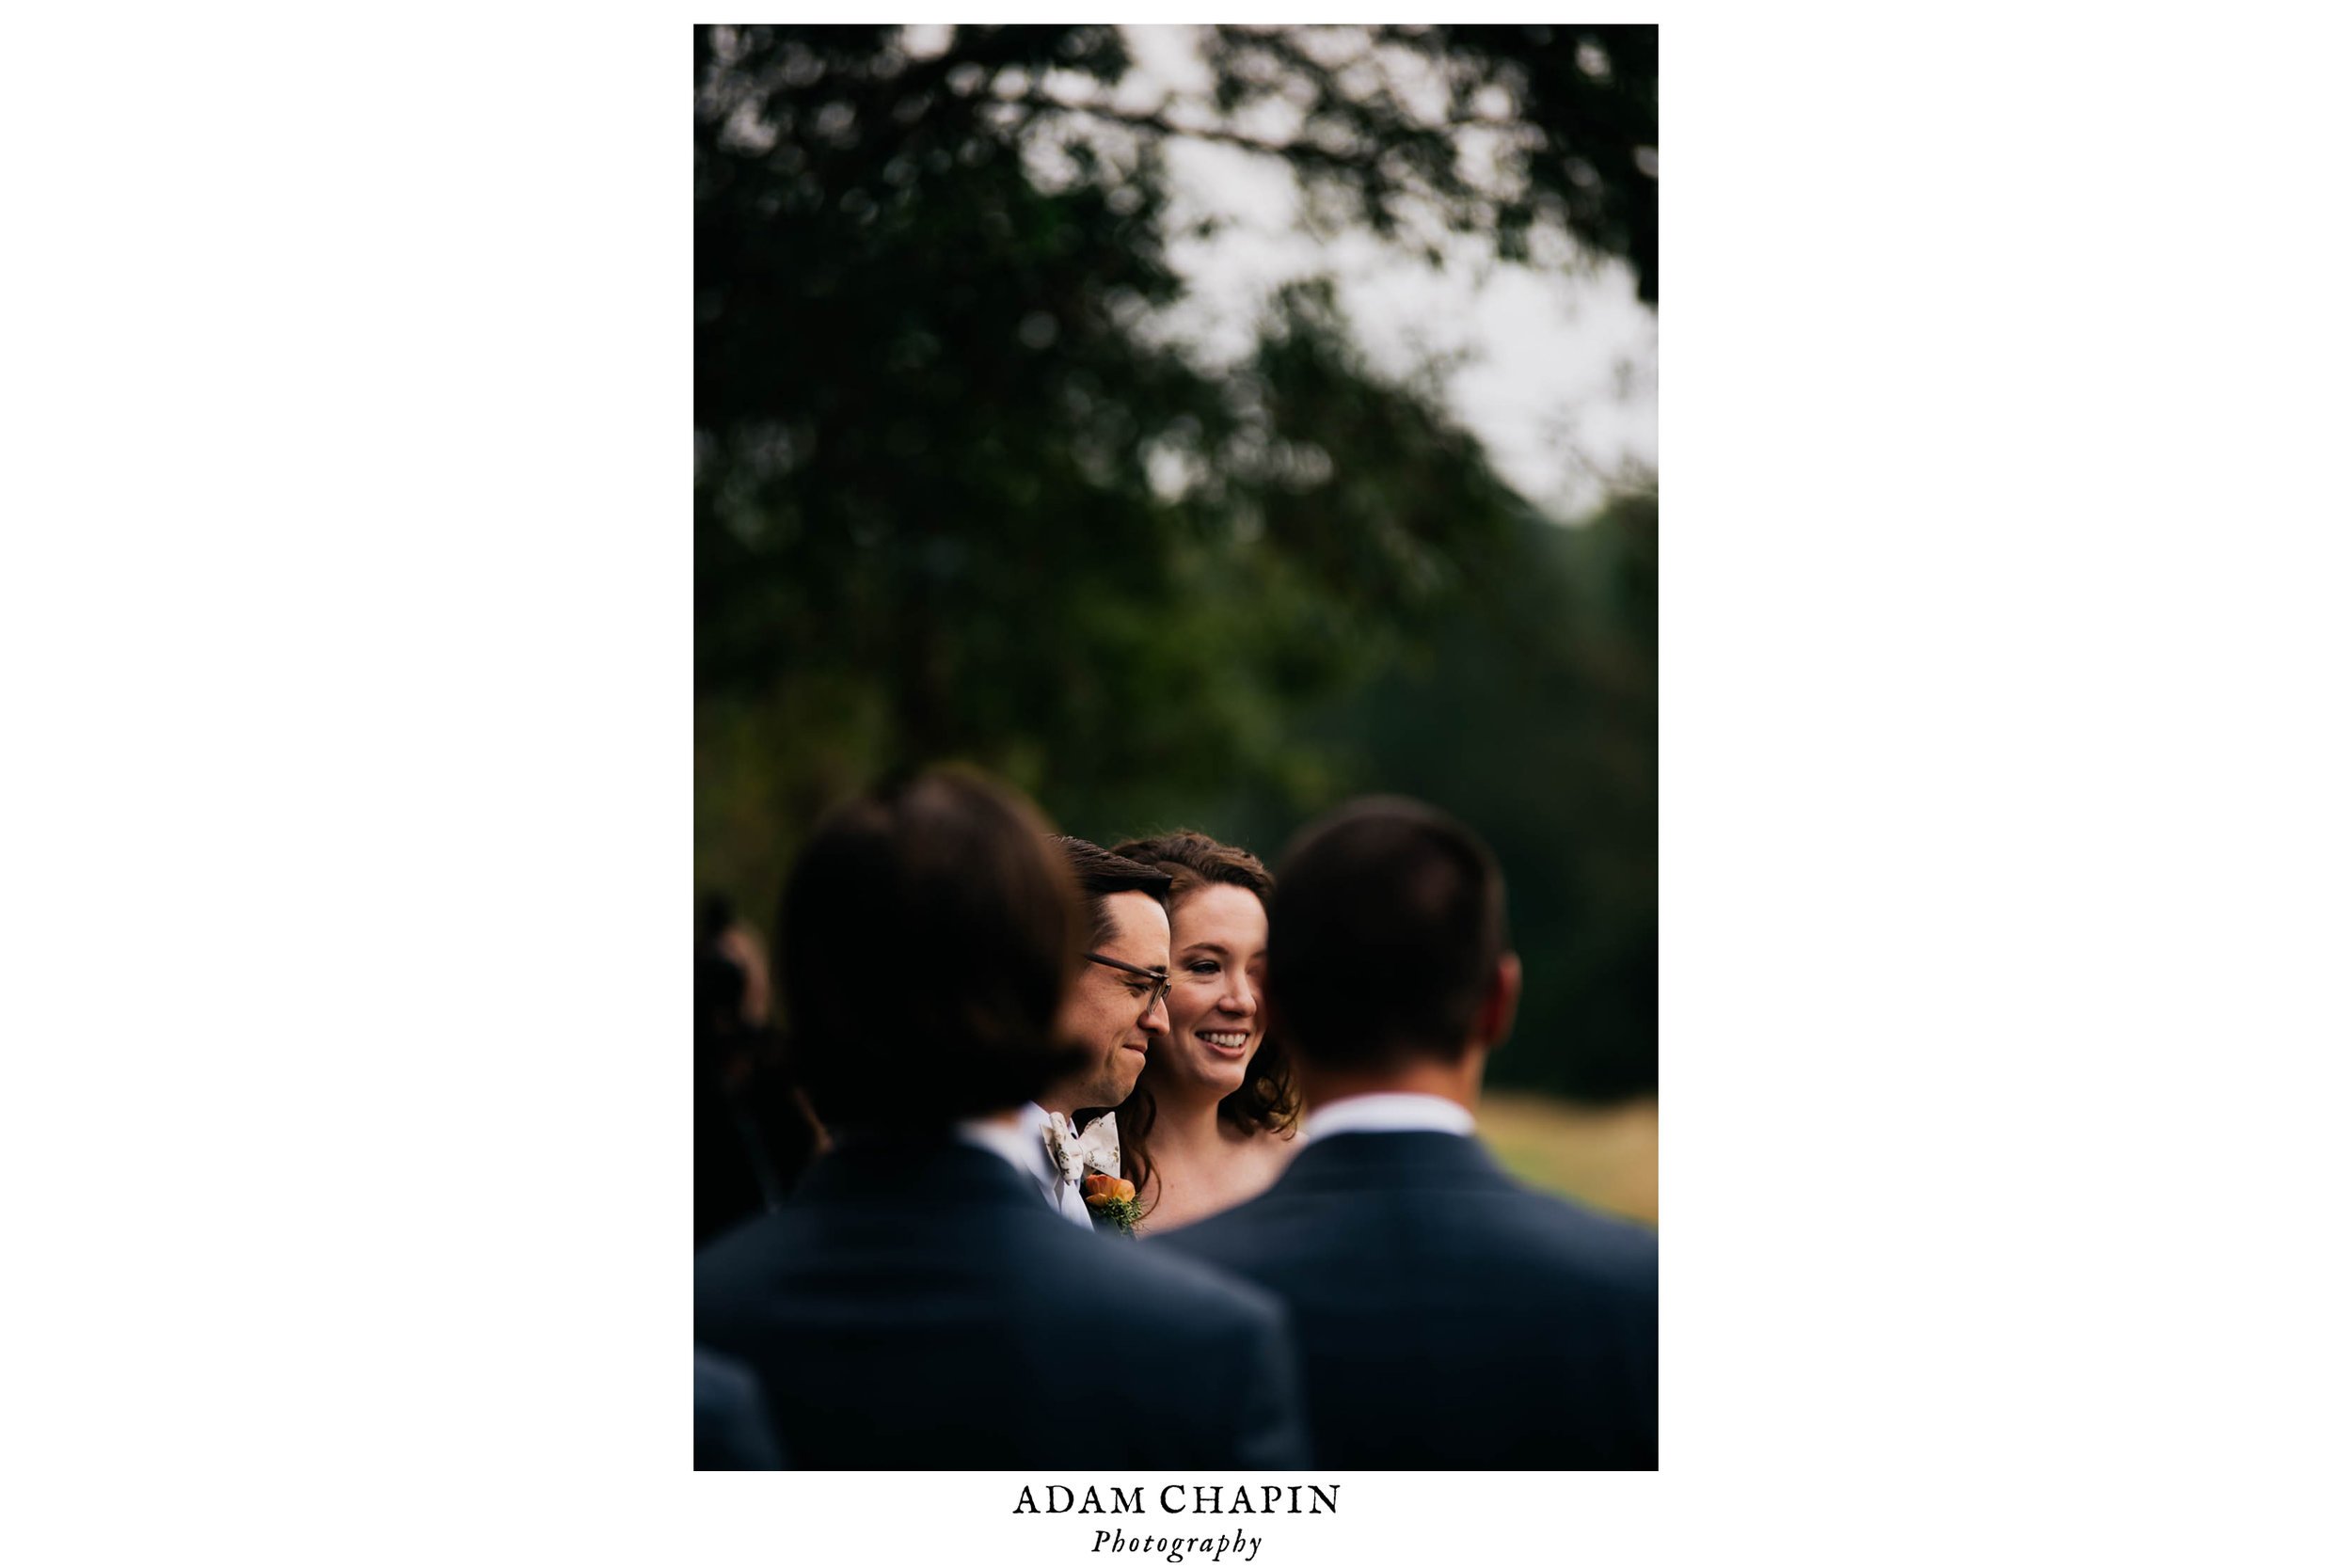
{"type": "Point", "coordinates": [1197, 426]}
{"type": "Point", "coordinates": [1602, 1155]}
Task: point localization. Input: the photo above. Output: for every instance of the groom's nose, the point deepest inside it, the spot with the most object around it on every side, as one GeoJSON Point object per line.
{"type": "Point", "coordinates": [1154, 1019]}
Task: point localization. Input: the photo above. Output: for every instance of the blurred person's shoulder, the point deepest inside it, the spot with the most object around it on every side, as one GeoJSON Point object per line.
{"type": "Point", "coordinates": [1489, 1214]}
{"type": "Point", "coordinates": [749, 1251]}
{"type": "Point", "coordinates": [1035, 1255]}
{"type": "Point", "coordinates": [1572, 1238]}
{"type": "Point", "coordinates": [1136, 1279]}
{"type": "Point", "coordinates": [731, 1430]}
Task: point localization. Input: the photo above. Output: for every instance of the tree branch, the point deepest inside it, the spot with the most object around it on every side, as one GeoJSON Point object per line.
{"type": "Point", "coordinates": [1156, 121]}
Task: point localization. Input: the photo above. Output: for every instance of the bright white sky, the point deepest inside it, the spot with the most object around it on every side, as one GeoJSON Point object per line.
{"type": "Point", "coordinates": [1557, 374]}
{"type": "Point", "coordinates": [1556, 370]}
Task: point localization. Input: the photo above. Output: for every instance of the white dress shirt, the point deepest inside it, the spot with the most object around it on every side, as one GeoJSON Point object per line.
{"type": "Point", "coordinates": [1387, 1112]}
{"type": "Point", "coordinates": [1023, 1148]}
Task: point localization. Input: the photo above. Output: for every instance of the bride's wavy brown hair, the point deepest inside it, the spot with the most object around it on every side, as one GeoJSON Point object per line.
{"type": "Point", "coordinates": [1266, 1101]}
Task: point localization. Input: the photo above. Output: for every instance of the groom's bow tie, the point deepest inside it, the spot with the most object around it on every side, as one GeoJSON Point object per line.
{"type": "Point", "coordinates": [1074, 1153]}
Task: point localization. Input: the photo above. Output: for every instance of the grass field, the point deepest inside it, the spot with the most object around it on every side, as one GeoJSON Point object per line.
{"type": "Point", "coordinates": [1605, 1156]}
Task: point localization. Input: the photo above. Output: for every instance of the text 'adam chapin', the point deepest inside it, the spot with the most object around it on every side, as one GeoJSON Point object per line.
{"type": "Point", "coordinates": [1173, 1499]}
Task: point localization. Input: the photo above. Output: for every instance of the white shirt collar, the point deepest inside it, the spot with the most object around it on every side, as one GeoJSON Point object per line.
{"type": "Point", "coordinates": [1387, 1112]}
{"type": "Point", "coordinates": [1021, 1146]}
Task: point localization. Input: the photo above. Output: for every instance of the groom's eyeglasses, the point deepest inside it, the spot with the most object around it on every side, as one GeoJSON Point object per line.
{"type": "Point", "coordinates": [1160, 982]}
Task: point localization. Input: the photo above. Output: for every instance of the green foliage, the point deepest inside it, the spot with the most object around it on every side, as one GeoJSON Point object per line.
{"type": "Point", "coordinates": [1553, 694]}
{"type": "Point", "coordinates": [1118, 1214]}
{"type": "Point", "coordinates": [1535, 721]}
{"type": "Point", "coordinates": [1496, 130]}
{"type": "Point", "coordinates": [960, 494]}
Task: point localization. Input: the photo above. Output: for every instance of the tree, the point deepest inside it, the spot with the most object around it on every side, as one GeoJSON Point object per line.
{"type": "Point", "coordinates": [960, 492]}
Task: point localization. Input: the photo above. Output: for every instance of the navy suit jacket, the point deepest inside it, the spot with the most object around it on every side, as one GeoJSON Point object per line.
{"type": "Point", "coordinates": [917, 1305]}
{"type": "Point", "coordinates": [730, 1426]}
{"type": "Point", "coordinates": [1447, 1317]}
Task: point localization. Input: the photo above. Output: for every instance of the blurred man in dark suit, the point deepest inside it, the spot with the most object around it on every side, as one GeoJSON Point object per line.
{"type": "Point", "coordinates": [917, 1304]}
{"type": "Point", "coordinates": [753, 1136]}
{"type": "Point", "coordinates": [1448, 1318]}
{"type": "Point", "coordinates": [730, 1426]}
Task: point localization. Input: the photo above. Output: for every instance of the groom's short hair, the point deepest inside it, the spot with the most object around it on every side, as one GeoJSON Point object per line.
{"type": "Point", "coordinates": [1100, 874]}
{"type": "Point", "coordinates": [927, 931]}
{"type": "Point", "coordinates": [1383, 934]}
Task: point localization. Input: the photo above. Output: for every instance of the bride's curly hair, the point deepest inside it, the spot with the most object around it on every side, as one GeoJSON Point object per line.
{"type": "Point", "coordinates": [1267, 1101]}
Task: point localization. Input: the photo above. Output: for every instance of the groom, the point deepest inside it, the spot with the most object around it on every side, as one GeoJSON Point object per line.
{"type": "Point", "coordinates": [1115, 1012]}
{"type": "Point", "coordinates": [914, 1304]}
{"type": "Point", "coordinates": [1448, 1317]}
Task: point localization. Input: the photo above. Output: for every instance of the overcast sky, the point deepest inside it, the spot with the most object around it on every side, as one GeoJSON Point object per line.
{"type": "Point", "coordinates": [1558, 374]}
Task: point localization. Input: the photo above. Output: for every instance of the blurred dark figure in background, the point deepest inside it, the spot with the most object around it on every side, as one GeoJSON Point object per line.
{"type": "Point", "coordinates": [727, 944]}
{"type": "Point", "coordinates": [917, 1304]}
{"type": "Point", "coordinates": [1448, 1317]}
{"type": "Point", "coordinates": [753, 1136]}
{"type": "Point", "coordinates": [730, 1422]}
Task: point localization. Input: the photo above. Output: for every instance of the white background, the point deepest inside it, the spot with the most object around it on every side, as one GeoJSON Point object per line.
{"type": "Point", "coordinates": [344, 669]}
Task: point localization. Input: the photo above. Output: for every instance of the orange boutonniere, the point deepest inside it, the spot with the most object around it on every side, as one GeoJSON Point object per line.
{"type": "Point", "coordinates": [1112, 1201]}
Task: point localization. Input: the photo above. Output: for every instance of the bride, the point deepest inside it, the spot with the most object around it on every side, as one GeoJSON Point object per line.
{"type": "Point", "coordinates": [1211, 1119]}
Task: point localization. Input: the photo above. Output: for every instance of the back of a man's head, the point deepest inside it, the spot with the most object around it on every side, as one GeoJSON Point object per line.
{"type": "Point", "coordinates": [1384, 933]}
{"type": "Point", "coordinates": [927, 931]}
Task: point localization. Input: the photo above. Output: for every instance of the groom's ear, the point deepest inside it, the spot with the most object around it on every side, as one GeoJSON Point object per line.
{"type": "Point", "coordinates": [1500, 1006]}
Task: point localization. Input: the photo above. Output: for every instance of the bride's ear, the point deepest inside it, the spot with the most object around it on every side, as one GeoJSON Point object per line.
{"type": "Point", "coordinates": [1500, 1004]}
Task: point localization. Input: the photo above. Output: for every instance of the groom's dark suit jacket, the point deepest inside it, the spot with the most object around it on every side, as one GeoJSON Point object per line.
{"type": "Point", "coordinates": [916, 1306]}
{"type": "Point", "coordinates": [1448, 1318]}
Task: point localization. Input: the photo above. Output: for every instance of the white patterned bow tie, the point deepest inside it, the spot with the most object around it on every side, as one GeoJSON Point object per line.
{"type": "Point", "coordinates": [1074, 1153]}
